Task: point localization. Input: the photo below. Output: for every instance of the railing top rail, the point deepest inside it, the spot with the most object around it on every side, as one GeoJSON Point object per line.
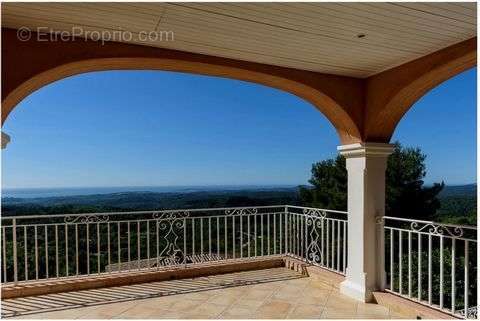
{"type": "Point", "coordinates": [144, 212]}
{"type": "Point", "coordinates": [428, 222]}
{"type": "Point", "coordinates": [316, 209]}
{"type": "Point", "coordinates": [191, 210]}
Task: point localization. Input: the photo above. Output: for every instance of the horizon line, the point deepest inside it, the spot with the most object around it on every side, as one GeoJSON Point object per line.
{"type": "Point", "coordinates": [193, 185]}
{"type": "Point", "coordinates": [150, 186]}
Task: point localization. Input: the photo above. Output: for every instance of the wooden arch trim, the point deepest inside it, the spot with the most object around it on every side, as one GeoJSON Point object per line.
{"type": "Point", "coordinates": [30, 65]}
{"type": "Point", "coordinates": [361, 110]}
{"type": "Point", "coordinates": [392, 93]}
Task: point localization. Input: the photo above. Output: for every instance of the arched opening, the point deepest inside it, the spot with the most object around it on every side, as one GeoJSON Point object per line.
{"type": "Point", "coordinates": [301, 85]}
{"type": "Point", "coordinates": [443, 125]}
{"type": "Point", "coordinates": [166, 129]}
{"type": "Point", "coordinates": [169, 128]}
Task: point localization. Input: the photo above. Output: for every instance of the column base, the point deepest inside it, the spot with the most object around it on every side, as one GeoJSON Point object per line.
{"type": "Point", "coordinates": [356, 291]}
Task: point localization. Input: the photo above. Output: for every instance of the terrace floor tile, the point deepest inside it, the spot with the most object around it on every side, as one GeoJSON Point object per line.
{"type": "Point", "coordinates": [276, 293]}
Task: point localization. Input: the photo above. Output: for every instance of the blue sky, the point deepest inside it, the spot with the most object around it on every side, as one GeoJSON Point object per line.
{"type": "Point", "coordinates": [154, 128]}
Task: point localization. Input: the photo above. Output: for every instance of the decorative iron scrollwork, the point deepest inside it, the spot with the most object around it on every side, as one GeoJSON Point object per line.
{"type": "Point", "coordinates": [241, 211]}
{"type": "Point", "coordinates": [437, 229]}
{"type": "Point", "coordinates": [471, 313]}
{"type": "Point", "coordinates": [314, 253]}
{"type": "Point", "coordinates": [171, 223]}
{"type": "Point", "coordinates": [315, 212]}
{"type": "Point", "coordinates": [170, 215]}
{"type": "Point", "coordinates": [87, 219]}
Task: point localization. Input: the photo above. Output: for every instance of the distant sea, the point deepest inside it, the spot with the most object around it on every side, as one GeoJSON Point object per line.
{"type": "Point", "coordinates": [75, 191]}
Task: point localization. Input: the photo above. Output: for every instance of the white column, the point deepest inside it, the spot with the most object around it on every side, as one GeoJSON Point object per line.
{"type": "Point", "coordinates": [366, 166]}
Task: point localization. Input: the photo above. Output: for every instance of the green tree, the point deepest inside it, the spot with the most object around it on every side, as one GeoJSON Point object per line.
{"type": "Point", "coordinates": [406, 195]}
{"type": "Point", "coordinates": [329, 180]}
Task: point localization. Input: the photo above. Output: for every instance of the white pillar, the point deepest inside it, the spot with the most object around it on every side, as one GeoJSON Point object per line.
{"type": "Point", "coordinates": [366, 166]}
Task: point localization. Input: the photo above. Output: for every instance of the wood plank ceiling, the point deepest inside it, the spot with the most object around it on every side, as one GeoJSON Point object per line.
{"type": "Point", "coordinates": [322, 37]}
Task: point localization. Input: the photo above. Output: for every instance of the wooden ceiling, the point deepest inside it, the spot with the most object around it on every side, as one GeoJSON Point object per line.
{"type": "Point", "coordinates": [322, 37]}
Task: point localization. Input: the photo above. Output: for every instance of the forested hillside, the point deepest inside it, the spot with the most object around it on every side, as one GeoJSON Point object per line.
{"type": "Point", "coordinates": [131, 201]}
{"type": "Point", "coordinates": [458, 203]}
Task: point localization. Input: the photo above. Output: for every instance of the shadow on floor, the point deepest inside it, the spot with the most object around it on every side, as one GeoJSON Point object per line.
{"type": "Point", "coordinates": [78, 299]}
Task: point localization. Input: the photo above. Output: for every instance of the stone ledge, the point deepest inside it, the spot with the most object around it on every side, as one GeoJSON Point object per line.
{"type": "Point", "coordinates": [296, 265]}
{"type": "Point", "coordinates": [332, 278]}
{"type": "Point", "coordinates": [324, 275]}
{"type": "Point", "coordinates": [118, 279]}
{"type": "Point", "coordinates": [409, 308]}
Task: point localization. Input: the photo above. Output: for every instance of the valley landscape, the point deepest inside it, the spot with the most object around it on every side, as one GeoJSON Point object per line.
{"type": "Point", "coordinates": [458, 203]}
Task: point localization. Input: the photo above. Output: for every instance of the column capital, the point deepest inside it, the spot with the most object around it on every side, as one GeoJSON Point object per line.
{"type": "Point", "coordinates": [365, 149]}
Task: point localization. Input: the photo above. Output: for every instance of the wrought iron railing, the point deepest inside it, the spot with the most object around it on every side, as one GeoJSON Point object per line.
{"type": "Point", "coordinates": [318, 237]}
{"type": "Point", "coordinates": [432, 263]}
{"type": "Point", "coordinates": [38, 247]}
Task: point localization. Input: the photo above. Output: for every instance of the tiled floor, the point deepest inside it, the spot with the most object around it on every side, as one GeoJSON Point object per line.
{"type": "Point", "coordinates": [267, 294]}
